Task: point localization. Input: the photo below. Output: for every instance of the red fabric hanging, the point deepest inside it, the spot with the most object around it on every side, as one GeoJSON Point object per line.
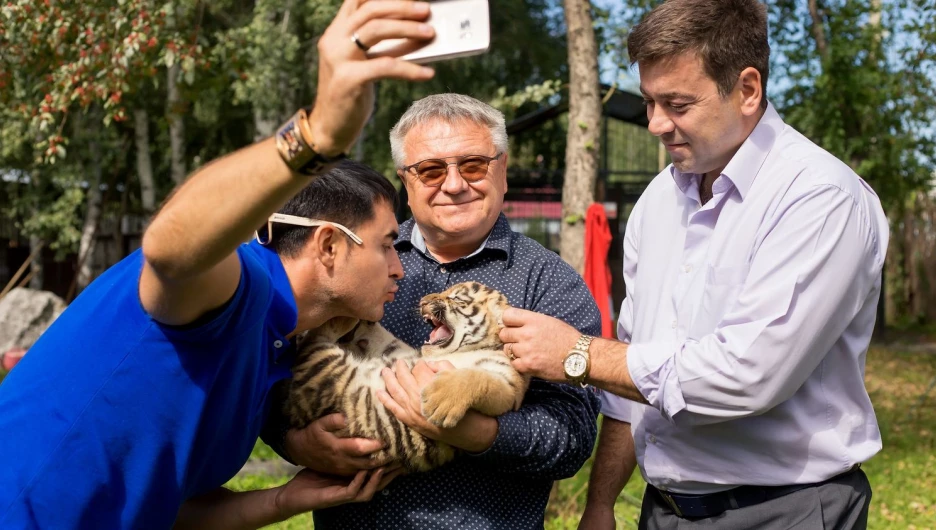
{"type": "Point", "coordinates": [597, 273]}
{"type": "Point", "coordinates": [9, 358]}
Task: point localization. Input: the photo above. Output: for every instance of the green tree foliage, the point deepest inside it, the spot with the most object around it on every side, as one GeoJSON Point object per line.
{"type": "Point", "coordinates": [857, 78]}
{"type": "Point", "coordinates": [66, 70]}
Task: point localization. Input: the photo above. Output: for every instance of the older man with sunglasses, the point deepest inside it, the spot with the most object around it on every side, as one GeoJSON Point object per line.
{"type": "Point", "coordinates": [451, 151]}
{"type": "Point", "coordinates": [187, 335]}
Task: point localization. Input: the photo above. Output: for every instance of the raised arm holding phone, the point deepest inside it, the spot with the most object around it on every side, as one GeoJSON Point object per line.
{"type": "Point", "coordinates": [187, 335]}
{"type": "Point", "coordinates": [190, 265]}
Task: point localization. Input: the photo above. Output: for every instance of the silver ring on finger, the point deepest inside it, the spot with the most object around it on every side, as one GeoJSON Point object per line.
{"type": "Point", "coordinates": [357, 41]}
{"type": "Point", "coordinates": [508, 349]}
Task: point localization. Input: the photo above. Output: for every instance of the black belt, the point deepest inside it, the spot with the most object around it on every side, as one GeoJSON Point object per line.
{"type": "Point", "coordinates": [701, 506]}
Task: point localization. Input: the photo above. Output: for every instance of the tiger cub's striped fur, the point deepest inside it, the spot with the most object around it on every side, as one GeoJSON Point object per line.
{"type": "Point", "coordinates": [338, 370]}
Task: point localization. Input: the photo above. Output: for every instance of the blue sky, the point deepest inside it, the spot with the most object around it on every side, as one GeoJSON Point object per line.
{"type": "Point", "coordinates": [626, 78]}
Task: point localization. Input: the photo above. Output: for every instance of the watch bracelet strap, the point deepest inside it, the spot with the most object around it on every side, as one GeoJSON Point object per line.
{"type": "Point", "coordinates": [293, 141]}
{"type": "Point", "coordinates": [305, 128]}
{"type": "Point", "coordinates": [583, 343]}
{"type": "Point", "coordinates": [302, 118]}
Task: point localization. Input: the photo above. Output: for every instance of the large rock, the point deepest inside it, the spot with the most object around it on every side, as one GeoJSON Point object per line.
{"type": "Point", "coordinates": [25, 314]}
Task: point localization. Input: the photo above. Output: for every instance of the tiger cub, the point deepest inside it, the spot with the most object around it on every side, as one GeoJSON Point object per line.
{"type": "Point", "coordinates": [338, 369]}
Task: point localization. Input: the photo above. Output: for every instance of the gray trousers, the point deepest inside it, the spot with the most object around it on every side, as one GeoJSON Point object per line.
{"type": "Point", "coordinates": [840, 504]}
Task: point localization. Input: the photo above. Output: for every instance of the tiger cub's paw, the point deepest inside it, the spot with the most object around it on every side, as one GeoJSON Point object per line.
{"type": "Point", "coordinates": [442, 402]}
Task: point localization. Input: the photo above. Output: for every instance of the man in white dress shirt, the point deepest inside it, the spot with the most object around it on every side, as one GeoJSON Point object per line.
{"type": "Point", "coordinates": [753, 271]}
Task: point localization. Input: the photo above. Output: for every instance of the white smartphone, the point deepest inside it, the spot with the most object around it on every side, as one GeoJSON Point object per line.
{"type": "Point", "coordinates": [462, 27]}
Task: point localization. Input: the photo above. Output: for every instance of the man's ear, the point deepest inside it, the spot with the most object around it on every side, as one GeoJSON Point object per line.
{"type": "Point", "coordinates": [506, 181]}
{"type": "Point", "coordinates": [749, 84]}
{"type": "Point", "coordinates": [325, 243]}
{"type": "Point", "coordinates": [406, 184]}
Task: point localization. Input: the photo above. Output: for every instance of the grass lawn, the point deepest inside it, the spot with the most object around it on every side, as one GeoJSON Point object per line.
{"type": "Point", "coordinates": [903, 475]}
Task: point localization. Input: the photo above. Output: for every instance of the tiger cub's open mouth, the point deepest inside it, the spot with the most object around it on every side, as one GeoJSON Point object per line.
{"type": "Point", "coordinates": [434, 315]}
{"type": "Point", "coordinates": [441, 333]}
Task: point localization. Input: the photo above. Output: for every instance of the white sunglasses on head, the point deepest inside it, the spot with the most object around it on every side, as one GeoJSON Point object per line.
{"type": "Point", "coordinates": [302, 221]}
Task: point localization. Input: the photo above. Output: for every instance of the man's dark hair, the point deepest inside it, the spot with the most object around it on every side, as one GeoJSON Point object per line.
{"type": "Point", "coordinates": [346, 195]}
{"type": "Point", "coordinates": [728, 35]}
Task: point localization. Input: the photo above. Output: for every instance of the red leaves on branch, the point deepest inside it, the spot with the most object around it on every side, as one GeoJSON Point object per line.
{"type": "Point", "coordinates": [65, 55]}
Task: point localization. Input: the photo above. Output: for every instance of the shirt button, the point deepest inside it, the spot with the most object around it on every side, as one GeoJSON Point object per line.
{"type": "Point", "coordinates": [687, 268]}
{"type": "Point", "coordinates": [652, 439]}
{"type": "Point", "coordinates": [277, 344]}
{"type": "Point", "coordinates": [673, 324]}
{"type": "Point", "coordinates": [385, 491]}
{"type": "Point", "coordinates": [442, 270]}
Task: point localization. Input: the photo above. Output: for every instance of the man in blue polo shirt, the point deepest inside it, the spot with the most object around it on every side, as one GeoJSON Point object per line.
{"type": "Point", "coordinates": [186, 336]}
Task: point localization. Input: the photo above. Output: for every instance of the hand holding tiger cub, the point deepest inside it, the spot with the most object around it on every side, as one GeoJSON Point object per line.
{"type": "Point", "coordinates": [330, 453]}
{"type": "Point", "coordinates": [538, 343]}
{"type": "Point", "coordinates": [309, 490]}
{"type": "Point", "coordinates": [428, 400]}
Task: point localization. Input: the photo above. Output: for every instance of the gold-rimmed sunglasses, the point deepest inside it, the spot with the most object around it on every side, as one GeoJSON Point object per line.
{"type": "Point", "coordinates": [432, 172]}
{"type": "Point", "coordinates": [301, 221]}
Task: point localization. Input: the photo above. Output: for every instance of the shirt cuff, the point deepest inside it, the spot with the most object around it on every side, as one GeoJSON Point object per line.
{"type": "Point", "coordinates": [616, 407]}
{"type": "Point", "coordinates": [652, 367]}
{"type": "Point", "coordinates": [513, 438]}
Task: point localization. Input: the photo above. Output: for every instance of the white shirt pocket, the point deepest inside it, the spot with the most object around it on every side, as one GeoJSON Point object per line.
{"type": "Point", "coordinates": [722, 286]}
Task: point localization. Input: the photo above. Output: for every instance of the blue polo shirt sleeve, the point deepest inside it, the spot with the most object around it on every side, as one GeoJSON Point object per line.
{"type": "Point", "coordinates": [248, 305]}
{"type": "Point", "coordinates": [552, 435]}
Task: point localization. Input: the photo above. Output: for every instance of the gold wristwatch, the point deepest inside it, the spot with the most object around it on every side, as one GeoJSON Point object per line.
{"type": "Point", "coordinates": [295, 145]}
{"type": "Point", "coordinates": [576, 363]}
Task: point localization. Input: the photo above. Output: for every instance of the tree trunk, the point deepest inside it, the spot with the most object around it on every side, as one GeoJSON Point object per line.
{"type": "Point", "coordinates": [874, 18]}
{"type": "Point", "coordinates": [86, 245]}
{"type": "Point", "coordinates": [174, 112]}
{"type": "Point", "coordinates": [583, 134]}
{"type": "Point", "coordinates": [359, 145]}
{"type": "Point", "coordinates": [144, 162]}
{"type": "Point", "coordinates": [120, 236]}
{"type": "Point", "coordinates": [908, 225]}
{"type": "Point", "coordinates": [287, 95]}
{"type": "Point", "coordinates": [267, 118]}
{"type": "Point", "coordinates": [264, 124]}
{"type": "Point", "coordinates": [818, 28]}
{"type": "Point", "coordinates": [35, 268]}
{"type": "Point", "coordinates": [368, 127]}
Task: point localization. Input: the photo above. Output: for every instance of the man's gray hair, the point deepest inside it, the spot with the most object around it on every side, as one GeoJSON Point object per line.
{"type": "Point", "coordinates": [450, 108]}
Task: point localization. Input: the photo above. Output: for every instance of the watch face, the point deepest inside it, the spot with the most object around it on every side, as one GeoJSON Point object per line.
{"type": "Point", "coordinates": [575, 365]}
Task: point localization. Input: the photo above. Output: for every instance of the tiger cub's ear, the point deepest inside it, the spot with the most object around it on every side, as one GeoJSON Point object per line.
{"type": "Point", "coordinates": [334, 329]}
{"type": "Point", "coordinates": [496, 304]}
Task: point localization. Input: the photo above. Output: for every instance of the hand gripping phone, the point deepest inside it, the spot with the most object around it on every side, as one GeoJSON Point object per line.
{"type": "Point", "coordinates": [462, 29]}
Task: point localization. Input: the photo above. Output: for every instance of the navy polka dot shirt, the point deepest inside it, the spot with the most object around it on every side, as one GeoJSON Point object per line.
{"type": "Point", "coordinates": [549, 438]}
